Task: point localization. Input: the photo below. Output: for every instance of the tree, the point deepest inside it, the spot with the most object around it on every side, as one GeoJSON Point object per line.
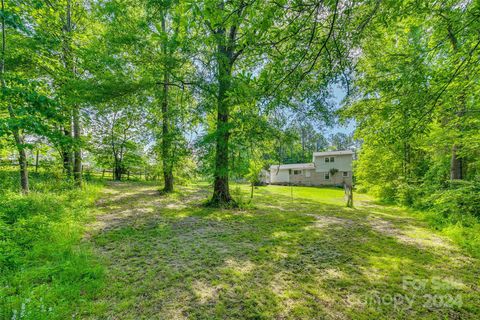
{"type": "Point", "coordinates": [223, 22]}
{"type": "Point", "coordinates": [16, 131]}
{"type": "Point", "coordinates": [341, 141]}
{"type": "Point", "coordinates": [413, 96]}
{"type": "Point", "coordinates": [152, 60]}
{"type": "Point", "coordinates": [174, 43]}
{"type": "Point", "coordinates": [272, 55]}
{"type": "Point", "coordinates": [254, 169]}
{"type": "Point", "coordinates": [57, 31]}
{"type": "Point", "coordinates": [70, 68]}
{"type": "Point", "coordinates": [117, 135]}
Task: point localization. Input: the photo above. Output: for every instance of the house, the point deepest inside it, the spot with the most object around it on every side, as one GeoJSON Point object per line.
{"type": "Point", "coordinates": [290, 173]}
{"type": "Point", "coordinates": [327, 168]}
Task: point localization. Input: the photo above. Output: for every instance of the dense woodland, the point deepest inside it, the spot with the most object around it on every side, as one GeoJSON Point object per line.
{"type": "Point", "coordinates": [176, 91]}
{"type": "Point", "coordinates": [161, 84]}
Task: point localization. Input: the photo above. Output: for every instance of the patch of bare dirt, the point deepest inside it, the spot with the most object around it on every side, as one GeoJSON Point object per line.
{"type": "Point", "coordinates": [329, 221]}
{"type": "Point", "coordinates": [120, 206]}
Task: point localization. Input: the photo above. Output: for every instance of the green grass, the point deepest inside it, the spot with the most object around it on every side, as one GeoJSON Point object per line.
{"type": "Point", "coordinates": [292, 253]}
{"type": "Point", "coordinates": [288, 253]}
{"type": "Point", "coordinates": [46, 272]}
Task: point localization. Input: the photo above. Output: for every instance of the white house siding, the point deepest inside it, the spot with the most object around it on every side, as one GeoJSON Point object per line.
{"type": "Point", "coordinates": [318, 179]}
{"type": "Point", "coordinates": [342, 163]}
{"type": "Point", "coordinates": [313, 174]}
{"type": "Point", "coordinates": [279, 176]}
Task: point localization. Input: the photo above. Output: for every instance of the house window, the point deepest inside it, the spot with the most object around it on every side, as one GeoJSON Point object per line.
{"type": "Point", "coordinates": [327, 175]}
{"type": "Point", "coordinates": [332, 159]}
{"type": "Point", "coordinates": [297, 172]}
{"type": "Point", "coordinates": [327, 159]}
{"type": "Point", "coordinates": [345, 173]}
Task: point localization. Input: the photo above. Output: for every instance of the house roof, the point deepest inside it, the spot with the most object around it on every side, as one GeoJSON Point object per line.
{"type": "Point", "coordinates": [332, 153]}
{"type": "Point", "coordinates": [293, 166]}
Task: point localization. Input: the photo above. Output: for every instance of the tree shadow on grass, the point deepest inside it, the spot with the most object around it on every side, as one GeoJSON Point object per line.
{"type": "Point", "coordinates": [310, 261]}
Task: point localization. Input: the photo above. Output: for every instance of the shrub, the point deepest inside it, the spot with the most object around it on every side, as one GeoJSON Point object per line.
{"type": "Point", "coordinates": [460, 198]}
{"type": "Point", "coordinates": [386, 193]}
{"type": "Point", "coordinates": [455, 210]}
{"type": "Point", "coordinates": [407, 194]}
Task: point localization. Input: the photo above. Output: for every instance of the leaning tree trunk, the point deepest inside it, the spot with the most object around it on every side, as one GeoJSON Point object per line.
{"type": "Point", "coordinates": [19, 142]}
{"type": "Point", "coordinates": [221, 191]}
{"type": "Point", "coordinates": [166, 138]}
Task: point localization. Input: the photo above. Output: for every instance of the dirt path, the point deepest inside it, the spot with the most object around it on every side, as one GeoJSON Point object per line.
{"type": "Point", "coordinates": [167, 257]}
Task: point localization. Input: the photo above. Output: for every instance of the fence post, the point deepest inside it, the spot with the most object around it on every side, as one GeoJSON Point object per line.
{"type": "Point", "coordinates": [36, 161]}
{"type": "Point", "coordinates": [349, 194]}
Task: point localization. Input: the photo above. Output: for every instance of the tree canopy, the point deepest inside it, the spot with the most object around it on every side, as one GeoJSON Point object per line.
{"type": "Point", "coordinates": [131, 86]}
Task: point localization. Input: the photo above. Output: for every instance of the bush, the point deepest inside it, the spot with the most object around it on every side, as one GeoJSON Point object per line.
{"type": "Point", "coordinates": [407, 194]}
{"type": "Point", "coordinates": [460, 198]}
{"type": "Point", "coordinates": [455, 211]}
{"type": "Point", "coordinates": [386, 193]}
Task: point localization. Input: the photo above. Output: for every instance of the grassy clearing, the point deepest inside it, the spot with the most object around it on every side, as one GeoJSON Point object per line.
{"type": "Point", "coordinates": [306, 257]}
{"type": "Point", "coordinates": [45, 270]}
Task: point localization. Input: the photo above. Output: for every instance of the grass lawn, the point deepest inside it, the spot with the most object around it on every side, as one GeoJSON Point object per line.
{"type": "Point", "coordinates": [294, 253]}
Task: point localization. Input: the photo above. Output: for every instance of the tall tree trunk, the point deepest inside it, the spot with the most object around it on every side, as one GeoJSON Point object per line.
{"type": "Point", "coordinates": [302, 130]}
{"type": "Point", "coordinates": [37, 155]}
{"type": "Point", "coordinates": [70, 69]}
{"type": "Point", "coordinates": [22, 158]}
{"type": "Point", "coordinates": [22, 155]}
{"type": "Point", "coordinates": [67, 166]}
{"type": "Point", "coordinates": [118, 173]}
{"type": "Point", "coordinates": [221, 191]}
{"type": "Point", "coordinates": [406, 160]}
{"type": "Point", "coordinates": [167, 160]}
{"type": "Point", "coordinates": [77, 164]}
{"type": "Point", "coordinates": [456, 164]}
{"type": "Point", "coordinates": [117, 170]}
{"type": "Point", "coordinates": [66, 153]}
{"type": "Point", "coordinates": [19, 141]}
